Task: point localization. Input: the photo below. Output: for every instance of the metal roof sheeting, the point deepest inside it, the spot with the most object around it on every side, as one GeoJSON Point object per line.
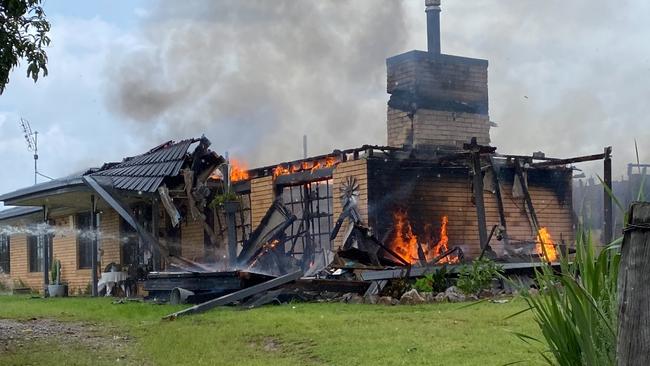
{"type": "Point", "coordinates": [14, 212]}
{"type": "Point", "coordinates": [146, 172]}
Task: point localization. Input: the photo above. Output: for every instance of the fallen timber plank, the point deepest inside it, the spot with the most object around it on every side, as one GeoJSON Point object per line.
{"type": "Point", "coordinates": [388, 274]}
{"type": "Point", "coordinates": [578, 159]}
{"type": "Point", "coordinates": [239, 295]}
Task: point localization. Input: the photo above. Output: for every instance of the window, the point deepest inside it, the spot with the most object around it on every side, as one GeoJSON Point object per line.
{"type": "Point", "coordinates": [5, 259]}
{"type": "Point", "coordinates": [36, 247]}
{"type": "Point", "coordinates": [312, 204]}
{"type": "Point", "coordinates": [243, 219]}
{"type": "Point", "coordinates": [84, 240]}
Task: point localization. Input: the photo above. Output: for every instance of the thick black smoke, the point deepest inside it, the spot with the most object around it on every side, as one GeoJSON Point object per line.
{"type": "Point", "coordinates": [257, 75]}
{"type": "Point", "coordinates": [567, 78]}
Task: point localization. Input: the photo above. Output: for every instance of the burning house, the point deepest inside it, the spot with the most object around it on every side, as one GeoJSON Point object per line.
{"type": "Point", "coordinates": [435, 193]}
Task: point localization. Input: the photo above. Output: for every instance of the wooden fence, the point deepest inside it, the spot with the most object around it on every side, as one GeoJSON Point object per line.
{"type": "Point", "coordinates": [633, 344]}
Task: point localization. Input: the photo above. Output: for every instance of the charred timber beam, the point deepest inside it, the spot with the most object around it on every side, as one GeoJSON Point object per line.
{"type": "Point", "coordinates": [230, 208]}
{"type": "Point", "coordinates": [476, 150]}
{"type": "Point", "coordinates": [304, 177]}
{"type": "Point", "coordinates": [355, 152]}
{"type": "Point", "coordinates": [487, 245]}
{"type": "Point", "coordinates": [239, 295]}
{"type": "Point", "coordinates": [497, 192]}
{"type": "Point", "coordinates": [607, 196]}
{"type": "Point", "coordinates": [384, 247]}
{"type": "Point", "coordinates": [527, 157]}
{"type": "Point", "coordinates": [579, 159]}
{"type": "Point", "coordinates": [527, 199]}
{"type": "Point", "coordinates": [125, 214]}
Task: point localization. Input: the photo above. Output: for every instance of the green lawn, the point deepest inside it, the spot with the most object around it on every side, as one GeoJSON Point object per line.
{"type": "Point", "coordinates": [297, 334]}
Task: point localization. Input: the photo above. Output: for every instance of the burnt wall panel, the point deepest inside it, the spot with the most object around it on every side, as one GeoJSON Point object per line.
{"type": "Point", "coordinates": [192, 240]}
{"type": "Point", "coordinates": [357, 170]}
{"type": "Point", "coordinates": [429, 193]}
{"type": "Point", "coordinates": [262, 197]}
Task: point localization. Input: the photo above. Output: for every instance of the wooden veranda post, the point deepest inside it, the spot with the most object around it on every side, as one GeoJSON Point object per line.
{"type": "Point", "coordinates": [45, 237]}
{"type": "Point", "coordinates": [633, 344]}
{"type": "Point", "coordinates": [94, 250]}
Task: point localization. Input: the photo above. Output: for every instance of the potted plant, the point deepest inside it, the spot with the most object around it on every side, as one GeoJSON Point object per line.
{"type": "Point", "coordinates": [56, 288]}
{"type": "Point", "coordinates": [229, 200]}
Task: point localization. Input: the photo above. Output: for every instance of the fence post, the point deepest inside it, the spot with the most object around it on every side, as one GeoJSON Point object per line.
{"type": "Point", "coordinates": [633, 344]}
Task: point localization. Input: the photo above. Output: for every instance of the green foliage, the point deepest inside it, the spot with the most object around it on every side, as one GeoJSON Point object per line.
{"type": "Point", "coordinates": [227, 196]}
{"type": "Point", "coordinates": [577, 310]}
{"type": "Point", "coordinates": [433, 282]}
{"type": "Point", "coordinates": [396, 288]}
{"type": "Point", "coordinates": [55, 272]}
{"type": "Point", "coordinates": [478, 276]}
{"type": "Point", "coordinates": [23, 35]}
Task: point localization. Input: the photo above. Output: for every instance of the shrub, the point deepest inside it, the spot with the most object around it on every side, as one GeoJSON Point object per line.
{"type": "Point", "coordinates": [396, 288]}
{"type": "Point", "coordinates": [55, 272]}
{"type": "Point", "coordinates": [433, 282]}
{"type": "Point", "coordinates": [478, 276]}
{"type": "Point", "coordinates": [577, 308]}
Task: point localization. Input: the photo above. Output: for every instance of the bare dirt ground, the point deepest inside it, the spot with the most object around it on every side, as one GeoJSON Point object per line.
{"type": "Point", "coordinates": [16, 334]}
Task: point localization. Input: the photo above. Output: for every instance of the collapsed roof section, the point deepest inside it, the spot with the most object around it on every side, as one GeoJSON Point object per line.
{"type": "Point", "coordinates": [146, 172]}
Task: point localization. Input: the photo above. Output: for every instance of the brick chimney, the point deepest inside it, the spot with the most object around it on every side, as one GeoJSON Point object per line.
{"type": "Point", "coordinates": [436, 100]}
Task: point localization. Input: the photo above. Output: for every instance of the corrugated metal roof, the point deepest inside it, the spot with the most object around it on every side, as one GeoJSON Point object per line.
{"type": "Point", "coordinates": [14, 212]}
{"type": "Point", "coordinates": [49, 186]}
{"type": "Point", "coordinates": [146, 172]}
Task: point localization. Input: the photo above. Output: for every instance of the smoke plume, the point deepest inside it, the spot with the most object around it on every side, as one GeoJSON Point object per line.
{"type": "Point", "coordinates": [254, 76]}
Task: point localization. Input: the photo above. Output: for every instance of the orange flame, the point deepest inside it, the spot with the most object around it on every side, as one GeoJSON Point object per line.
{"type": "Point", "coordinates": [238, 171]}
{"type": "Point", "coordinates": [281, 169]}
{"type": "Point", "coordinates": [266, 247]}
{"type": "Point", "coordinates": [443, 245]}
{"type": "Point", "coordinates": [545, 247]}
{"type": "Point", "coordinates": [405, 242]}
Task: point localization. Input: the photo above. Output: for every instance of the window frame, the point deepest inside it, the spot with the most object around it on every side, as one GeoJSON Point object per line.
{"type": "Point", "coordinates": [5, 251]}
{"type": "Point", "coordinates": [297, 197]}
{"type": "Point", "coordinates": [36, 264]}
{"type": "Point", "coordinates": [84, 254]}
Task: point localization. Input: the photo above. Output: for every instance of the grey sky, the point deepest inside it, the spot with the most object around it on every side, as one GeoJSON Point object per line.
{"type": "Point", "coordinates": [566, 78]}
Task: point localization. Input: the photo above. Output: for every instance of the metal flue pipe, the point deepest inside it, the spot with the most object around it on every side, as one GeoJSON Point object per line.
{"type": "Point", "coordinates": [433, 25]}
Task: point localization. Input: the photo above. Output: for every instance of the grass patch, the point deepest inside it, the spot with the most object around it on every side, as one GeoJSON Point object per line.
{"type": "Point", "coordinates": [297, 334]}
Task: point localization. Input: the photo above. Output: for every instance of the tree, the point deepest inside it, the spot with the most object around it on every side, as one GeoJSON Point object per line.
{"type": "Point", "coordinates": [23, 35]}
